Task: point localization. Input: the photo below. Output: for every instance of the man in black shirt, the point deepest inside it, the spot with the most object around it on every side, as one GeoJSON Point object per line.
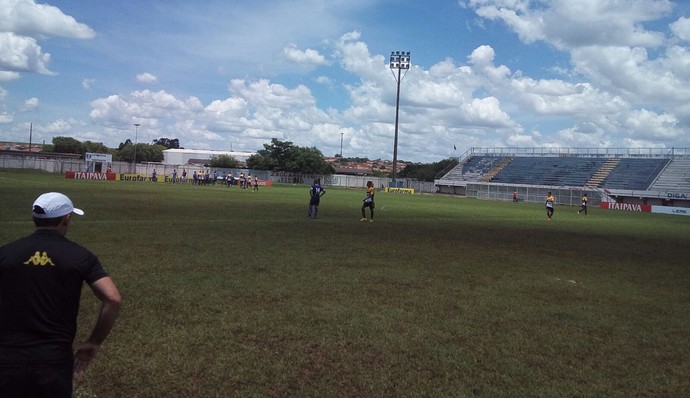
{"type": "Point", "coordinates": [41, 277]}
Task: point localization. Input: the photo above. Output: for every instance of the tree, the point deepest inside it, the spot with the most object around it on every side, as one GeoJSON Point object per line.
{"type": "Point", "coordinates": [168, 143]}
{"type": "Point", "coordinates": [285, 156]}
{"type": "Point", "coordinates": [149, 153]}
{"type": "Point", "coordinates": [428, 171]}
{"type": "Point", "coordinates": [309, 161]}
{"type": "Point", "coordinates": [68, 145]}
{"type": "Point", "coordinates": [124, 144]}
{"type": "Point", "coordinates": [262, 161]}
{"type": "Point", "coordinates": [281, 152]}
{"type": "Point", "coordinates": [145, 153]}
{"type": "Point", "coordinates": [224, 161]}
{"type": "Point", "coordinates": [96, 147]}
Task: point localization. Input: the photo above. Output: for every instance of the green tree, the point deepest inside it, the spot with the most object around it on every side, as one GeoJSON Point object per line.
{"type": "Point", "coordinates": [426, 171]}
{"type": "Point", "coordinates": [262, 161]}
{"type": "Point", "coordinates": [280, 151]}
{"type": "Point", "coordinates": [95, 147]}
{"type": "Point", "coordinates": [67, 145]}
{"type": "Point", "coordinates": [168, 143]}
{"type": "Point", "coordinates": [224, 161]}
{"type": "Point", "coordinates": [124, 144]}
{"type": "Point", "coordinates": [308, 161]}
{"type": "Point", "coordinates": [285, 156]}
{"type": "Point", "coordinates": [145, 153]}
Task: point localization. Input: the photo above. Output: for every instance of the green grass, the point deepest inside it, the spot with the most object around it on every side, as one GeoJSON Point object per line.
{"type": "Point", "coordinates": [232, 293]}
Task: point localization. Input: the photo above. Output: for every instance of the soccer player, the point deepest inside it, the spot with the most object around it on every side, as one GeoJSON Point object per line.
{"type": "Point", "coordinates": [550, 200]}
{"type": "Point", "coordinates": [584, 204]}
{"type": "Point", "coordinates": [369, 202]}
{"type": "Point", "coordinates": [315, 193]}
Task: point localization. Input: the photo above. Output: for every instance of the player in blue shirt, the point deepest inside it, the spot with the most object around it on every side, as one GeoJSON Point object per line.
{"type": "Point", "coordinates": [315, 193]}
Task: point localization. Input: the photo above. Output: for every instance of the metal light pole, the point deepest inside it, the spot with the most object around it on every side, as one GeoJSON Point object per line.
{"type": "Point", "coordinates": [341, 146]}
{"type": "Point", "coordinates": [400, 60]}
{"type": "Point", "coordinates": [136, 134]}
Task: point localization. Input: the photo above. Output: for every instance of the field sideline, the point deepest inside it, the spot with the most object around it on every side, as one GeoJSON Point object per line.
{"type": "Point", "coordinates": [236, 293]}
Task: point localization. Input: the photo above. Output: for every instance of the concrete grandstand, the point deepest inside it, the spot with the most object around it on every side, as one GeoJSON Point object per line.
{"type": "Point", "coordinates": [652, 176]}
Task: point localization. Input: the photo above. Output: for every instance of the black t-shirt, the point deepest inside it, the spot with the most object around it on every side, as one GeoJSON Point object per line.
{"type": "Point", "coordinates": [41, 277]}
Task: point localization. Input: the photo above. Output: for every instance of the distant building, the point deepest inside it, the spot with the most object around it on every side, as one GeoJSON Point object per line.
{"type": "Point", "coordinates": [187, 156]}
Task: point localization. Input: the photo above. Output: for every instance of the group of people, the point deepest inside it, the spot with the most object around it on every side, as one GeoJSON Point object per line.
{"type": "Point", "coordinates": [204, 178]}
{"type": "Point", "coordinates": [173, 176]}
{"type": "Point", "coordinates": [551, 200]}
{"type": "Point", "coordinates": [316, 191]}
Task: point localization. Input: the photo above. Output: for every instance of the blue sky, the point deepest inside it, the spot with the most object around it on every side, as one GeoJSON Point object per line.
{"type": "Point", "coordinates": [232, 75]}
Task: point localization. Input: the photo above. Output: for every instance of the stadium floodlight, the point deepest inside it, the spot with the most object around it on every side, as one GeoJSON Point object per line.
{"type": "Point", "coordinates": [400, 60]}
{"type": "Point", "coordinates": [136, 134]}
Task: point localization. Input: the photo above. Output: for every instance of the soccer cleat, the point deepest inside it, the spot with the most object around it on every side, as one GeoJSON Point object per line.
{"type": "Point", "coordinates": [371, 220]}
{"type": "Point", "coordinates": [363, 219]}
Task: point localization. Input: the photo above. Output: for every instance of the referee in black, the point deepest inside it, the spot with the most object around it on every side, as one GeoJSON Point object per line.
{"type": "Point", "coordinates": [41, 278]}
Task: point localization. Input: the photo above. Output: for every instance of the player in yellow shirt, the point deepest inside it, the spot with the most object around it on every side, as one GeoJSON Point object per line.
{"type": "Point", "coordinates": [369, 202]}
{"type": "Point", "coordinates": [550, 201]}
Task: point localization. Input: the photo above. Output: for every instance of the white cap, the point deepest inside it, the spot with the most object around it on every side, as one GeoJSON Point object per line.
{"type": "Point", "coordinates": [53, 205]}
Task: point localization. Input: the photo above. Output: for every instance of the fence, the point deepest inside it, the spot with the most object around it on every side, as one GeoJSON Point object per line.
{"type": "Point", "coordinates": [61, 165]}
{"type": "Point", "coordinates": [532, 193]}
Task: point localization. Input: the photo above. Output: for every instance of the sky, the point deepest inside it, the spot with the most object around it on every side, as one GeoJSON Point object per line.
{"type": "Point", "coordinates": [232, 75]}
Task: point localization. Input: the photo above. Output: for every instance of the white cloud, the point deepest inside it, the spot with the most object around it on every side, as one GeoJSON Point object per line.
{"type": "Point", "coordinates": [569, 24]}
{"type": "Point", "coordinates": [27, 18]}
{"type": "Point", "coordinates": [6, 118]}
{"type": "Point", "coordinates": [22, 54]}
{"type": "Point", "coordinates": [325, 80]}
{"type": "Point", "coordinates": [86, 84]}
{"type": "Point", "coordinates": [29, 105]}
{"type": "Point", "coordinates": [6, 76]}
{"type": "Point", "coordinates": [308, 57]}
{"type": "Point", "coordinates": [147, 78]}
{"type": "Point", "coordinates": [22, 22]}
{"type": "Point", "coordinates": [681, 28]}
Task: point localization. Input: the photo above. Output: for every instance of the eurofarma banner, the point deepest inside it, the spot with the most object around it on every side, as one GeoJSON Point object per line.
{"type": "Point", "coordinates": [84, 175]}
{"type": "Point", "coordinates": [135, 178]}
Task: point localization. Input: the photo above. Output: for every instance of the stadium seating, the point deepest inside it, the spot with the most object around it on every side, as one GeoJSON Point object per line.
{"type": "Point", "coordinates": [634, 173]}
{"type": "Point", "coordinates": [631, 172]}
{"type": "Point", "coordinates": [554, 171]}
{"type": "Point", "coordinates": [675, 177]}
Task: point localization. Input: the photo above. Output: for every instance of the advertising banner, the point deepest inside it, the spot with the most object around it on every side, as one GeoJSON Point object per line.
{"type": "Point", "coordinates": [409, 191]}
{"type": "Point", "coordinates": [626, 207]}
{"type": "Point", "coordinates": [79, 175]}
{"type": "Point", "coordinates": [676, 211]}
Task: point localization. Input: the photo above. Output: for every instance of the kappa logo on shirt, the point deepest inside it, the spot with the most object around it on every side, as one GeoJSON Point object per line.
{"type": "Point", "coordinates": [41, 259]}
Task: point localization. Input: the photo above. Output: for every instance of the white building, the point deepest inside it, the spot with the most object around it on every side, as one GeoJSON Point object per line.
{"type": "Point", "coordinates": [185, 156]}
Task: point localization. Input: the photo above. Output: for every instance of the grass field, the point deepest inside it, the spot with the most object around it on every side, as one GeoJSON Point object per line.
{"type": "Point", "coordinates": [234, 293]}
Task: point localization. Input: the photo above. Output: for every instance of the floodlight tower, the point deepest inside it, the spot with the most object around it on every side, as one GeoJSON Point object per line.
{"type": "Point", "coordinates": [136, 134]}
{"type": "Point", "coordinates": [400, 60]}
{"type": "Point", "coordinates": [341, 146]}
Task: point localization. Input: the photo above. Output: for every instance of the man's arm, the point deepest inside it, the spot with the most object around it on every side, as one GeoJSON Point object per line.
{"type": "Point", "coordinates": [105, 290]}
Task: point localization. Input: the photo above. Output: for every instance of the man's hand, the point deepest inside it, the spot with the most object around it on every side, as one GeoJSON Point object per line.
{"type": "Point", "coordinates": [84, 353]}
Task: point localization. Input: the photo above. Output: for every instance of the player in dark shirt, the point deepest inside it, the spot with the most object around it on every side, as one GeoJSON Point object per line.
{"type": "Point", "coordinates": [41, 277]}
{"type": "Point", "coordinates": [315, 193]}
